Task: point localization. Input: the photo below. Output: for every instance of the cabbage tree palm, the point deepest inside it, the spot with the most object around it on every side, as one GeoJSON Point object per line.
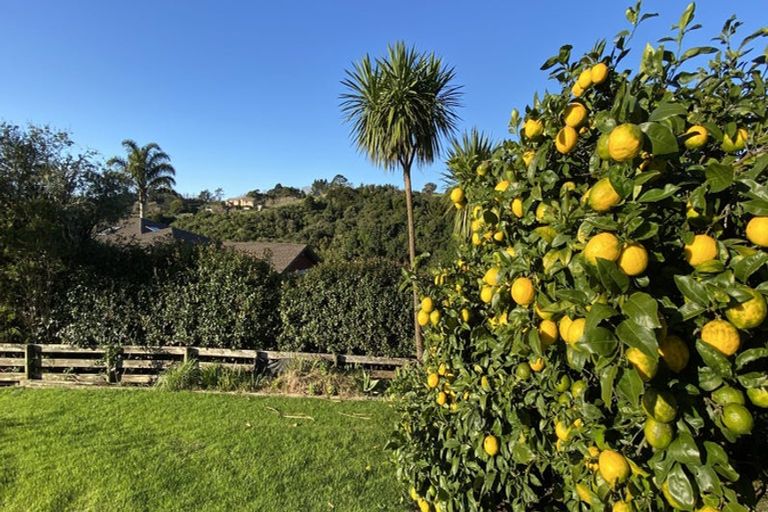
{"type": "Point", "coordinates": [149, 169]}
{"type": "Point", "coordinates": [465, 154]}
{"type": "Point", "coordinates": [400, 108]}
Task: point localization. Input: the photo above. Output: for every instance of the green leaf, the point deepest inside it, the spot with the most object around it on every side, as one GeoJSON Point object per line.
{"type": "Point", "coordinates": [683, 449]}
{"type": "Point", "coordinates": [753, 379]}
{"type": "Point", "coordinates": [692, 290]}
{"type": "Point", "coordinates": [597, 314]}
{"type": "Point", "coordinates": [663, 141]}
{"type": "Point", "coordinates": [639, 337]}
{"type": "Point", "coordinates": [719, 176]}
{"type": "Point", "coordinates": [714, 359]}
{"type": "Point", "coordinates": [666, 110]}
{"type": "Point", "coordinates": [696, 51]}
{"type": "Point", "coordinates": [643, 310]}
{"type": "Point", "coordinates": [749, 356]}
{"type": "Point", "coordinates": [599, 340]}
{"type": "Point", "coordinates": [521, 454]}
{"type": "Point", "coordinates": [607, 378]}
{"type": "Point", "coordinates": [610, 276]}
{"type": "Point", "coordinates": [680, 487]}
{"type": "Point", "coordinates": [706, 479]}
{"type": "Point", "coordinates": [630, 387]}
{"type": "Point", "coordinates": [748, 265]}
{"type": "Point", "coordinates": [657, 194]}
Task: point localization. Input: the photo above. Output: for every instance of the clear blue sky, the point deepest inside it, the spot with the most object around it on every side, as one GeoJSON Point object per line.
{"type": "Point", "coordinates": [244, 94]}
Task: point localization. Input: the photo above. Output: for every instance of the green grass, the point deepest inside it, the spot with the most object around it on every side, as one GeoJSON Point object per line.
{"type": "Point", "coordinates": [91, 449]}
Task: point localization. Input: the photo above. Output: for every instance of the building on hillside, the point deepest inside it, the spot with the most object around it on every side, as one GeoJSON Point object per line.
{"type": "Point", "coordinates": [282, 256]}
{"type": "Point", "coordinates": [145, 232]}
{"type": "Point", "coordinates": [243, 202]}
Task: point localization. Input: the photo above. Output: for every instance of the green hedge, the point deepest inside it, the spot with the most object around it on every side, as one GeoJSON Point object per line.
{"type": "Point", "coordinates": [347, 308]}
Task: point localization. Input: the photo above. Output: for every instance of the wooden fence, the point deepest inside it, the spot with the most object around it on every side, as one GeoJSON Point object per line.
{"type": "Point", "coordinates": [142, 365]}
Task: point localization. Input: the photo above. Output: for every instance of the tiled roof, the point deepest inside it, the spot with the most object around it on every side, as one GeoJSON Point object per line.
{"type": "Point", "coordinates": [147, 232]}
{"type": "Point", "coordinates": [281, 255]}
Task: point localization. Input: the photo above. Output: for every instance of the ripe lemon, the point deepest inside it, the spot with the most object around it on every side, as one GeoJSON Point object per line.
{"type": "Point", "coordinates": [625, 142]}
{"type": "Point", "coordinates": [501, 186]}
{"type": "Point", "coordinates": [738, 419]}
{"type": "Point", "coordinates": [730, 146]}
{"type": "Point", "coordinates": [598, 73]}
{"type": "Point", "coordinates": [491, 277]}
{"type": "Point", "coordinates": [727, 395]}
{"type": "Point", "coordinates": [522, 291]}
{"type": "Point", "coordinates": [482, 169]}
{"type": "Point", "coordinates": [422, 318]}
{"type": "Point", "coordinates": [457, 195]}
{"type": "Point", "coordinates": [614, 468]}
{"type": "Point", "coordinates": [758, 397]}
{"type": "Point", "coordinates": [708, 509]}
{"type": "Point", "coordinates": [563, 326]}
{"type": "Point", "coordinates": [533, 129]}
{"type": "Point", "coordinates": [575, 114]}
{"type": "Point", "coordinates": [427, 304]}
{"type": "Point", "coordinates": [547, 332]}
{"type": "Point", "coordinates": [528, 157]}
{"type": "Point", "coordinates": [414, 495]}
{"type": "Point", "coordinates": [633, 259]}
{"type": "Point", "coordinates": [578, 388]}
{"type": "Point", "coordinates": [702, 250]}
{"type": "Point", "coordinates": [660, 405]}
{"type": "Point", "coordinates": [476, 225]}
{"type": "Point", "coordinates": [433, 380]}
{"type": "Point", "coordinates": [602, 196]}
{"type": "Point", "coordinates": [484, 383]}
{"type": "Point", "coordinates": [697, 136]}
{"type": "Point", "coordinates": [585, 78]}
{"type": "Point", "coordinates": [562, 431]}
{"type": "Point", "coordinates": [537, 364]}
{"type": "Point", "coordinates": [486, 294]}
{"type": "Point", "coordinates": [603, 245]}
{"type": "Point", "coordinates": [542, 210]}
{"type": "Point", "coordinates": [575, 331]}
{"type": "Point", "coordinates": [498, 236]}
{"type": "Point", "coordinates": [566, 140]}
{"type": "Point", "coordinates": [757, 231]}
{"type": "Point", "coordinates": [442, 369]}
{"type": "Point", "coordinates": [749, 314]}
{"type": "Point", "coordinates": [674, 352]}
{"type": "Point", "coordinates": [491, 445]}
{"type": "Point", "coordinates": [544, 315]}
{"type": "Point", "coordinates": [657, 434]}
{"type": "Point", "coordinates": [517, 207]}
{"type": "Point", "coordinates": [602, 146]}
{"type": "Point", "coordinates": [442, 398]}
{"type": "Point", "coordinates": [434, 317]}
{"type": "Point", "coordinates": [621, 506]}
{"type": "Point", "coordinates": [644, 364]}
{"type": "Point", "coordinates": [584, 494]}
{"type": "Point", "coordinates": [722, 335]}
{"type": "Point", "coordinates": [577, 90]}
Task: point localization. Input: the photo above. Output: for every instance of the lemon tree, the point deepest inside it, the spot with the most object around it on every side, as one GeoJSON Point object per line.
{"type": "Point", "coordinates": [610, 283]}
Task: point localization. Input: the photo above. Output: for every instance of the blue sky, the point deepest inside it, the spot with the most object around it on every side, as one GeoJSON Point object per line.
{"type": "Point", "coordinates": [243, 95]}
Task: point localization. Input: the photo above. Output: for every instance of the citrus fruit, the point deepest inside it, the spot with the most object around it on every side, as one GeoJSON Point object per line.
{"type": "Point", "coordinates": [484, 383]}
{"type": "Point", "coordinates": [707, 509]}
{"type": "Point", "coordinates": [758, 397]}
{"type": "Point", "coordinates": [757, 231]}
{"type": "Point", "coordinates": [427, 304]}
{"type": "Point", "coordinates": [566, 140]}
{"type": "Point", "coordinates": [585, 78]}
{"type": "Point", "coordinates": [738, 419]}
{"type": "Point", "coordinates": [517, 207]}
{"type": "Point", "coordinates": [482, 169]}
{"type": "Point", "coordinates": [730, 146]}
{"type": "Point", "coordinates": [749, 314]}
{"type": "Point", "coordinates": [578, 388]}
{"type": "Point", "coordinates": [414, 495]}
{"type": "Point", "coordinates": [696, 136]}
{"type": "Point", "coordinates": [721, 335]}
{"type": "Point", "coordinates": [433, 380]}
{"type": "Point", "coordinates": [577, 90]}
{"type": "Point", "coordinates": [523, 371]}
{"type": "Point", "coordinates": [533, 128]}
{"type": "Point", "coordinates": [668, 496]}
{"type": "Point", "coordinates": [657, 434]}
{"type": "Point", "coordinates": [621, 506]}
{"type": "Point", "coordinates": [491, 277]}
{"type": "Point", "coordinates": [576, 330]}
{"type": "Point", "coordinates": [674, 352]}
{"type": "Point", "coordinates": [501, 186]}
{"type": "Point", "coordinates": [602, 196]}
{"type": "Point", "coordinates": [701, 250]}
{"type": "Point", "coordinates": [457, 195]}
{"type": "Point", "coordinates": [575, 114]}
{"type": "Point", "coordinates": [498, 236]}
{"type": "Point", "coordinates": [645, 365]}
{"type": "Point", "coordinates": [563, 326]}
{"type": "Point", "coordinates": [542, 210]}
{"type": "Point", "coordinates": [602, 147]}
{"type": "Point", "coordinates": [633, 259]}
{"type": "Point", "coordinates": [625, 142]}
{"type": "Point", "coordinates": [613, 467]}
{"type": "Point", "coordinates": [584, 494]}
{"type": "Point", "coordinates": [528, 157]}
{"type": "Point", "coordinates": [423, 505]}
{"type": "Point", "coordinates": [603, 245]}
{"type": "Point", "coordinates": [491, 445]}
{"type": "Point", "coordinates": [547, 332]}
{"type": "Point", "coordinates": [537, 364]}
{"type": "Point", "coordinates": [562, 431]}
{"type": "Point", "coordinates": [660, 405]}
{"type": "Point", "coordinates": [727, 395]}
{"type": "Point", "coordinates": [544, 315]}
{"type": "Point", "coordinates": [442, 398]}
{"type": "Point", "coordinates": [563, 384]}
{"type": "Point", "coordinates": [522, 291]}
{"type": "Point", "coordinates": [422, 318]}
{"type": "Point", "coordinates": [598, 73]}
{"type": "Point", "coordinates": [434, 317]}
{"type": "Point", "coordinates": [486, 294]}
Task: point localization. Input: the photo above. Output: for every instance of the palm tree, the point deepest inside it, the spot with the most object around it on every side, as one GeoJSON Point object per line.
{"type": "Point", "coordinates": [400, 107]}
{"type": "Point", "coordinates": [465, 155]}
{"type": "Point", "coordinates": [149, 169]}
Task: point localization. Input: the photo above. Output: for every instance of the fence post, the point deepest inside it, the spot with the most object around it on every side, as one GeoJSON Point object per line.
{"type": "Point", "coordinates": [190, 354]}
{"type": "Point", "coordinates": [30, 361]}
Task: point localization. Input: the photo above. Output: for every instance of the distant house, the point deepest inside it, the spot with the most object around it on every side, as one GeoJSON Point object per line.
{"type": "Point", "coordinates": [244, 202]}
{"type": "Point", "coordinates": [146, 232]}
{"type": "Point", "coordinates": [283, 257]}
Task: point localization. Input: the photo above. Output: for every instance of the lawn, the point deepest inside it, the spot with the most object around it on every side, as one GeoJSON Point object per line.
{"type": "Point", "coordinates": [102, 449]}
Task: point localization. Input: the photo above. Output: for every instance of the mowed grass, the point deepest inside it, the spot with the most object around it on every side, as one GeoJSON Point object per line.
{"type": "Point", "coordinates": [126, 450]}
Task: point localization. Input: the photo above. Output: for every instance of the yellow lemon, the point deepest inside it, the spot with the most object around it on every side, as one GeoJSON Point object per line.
{"type": "Point", "coordinates": [708, 509]}
{"type": "Point", "coordinates": [541, 313]}
{"type": "Point", "coordinates": [566, 140]}
{"type": "Point", "coordinates": [414, 494]}
{"type": "Point", "coordinates": [528, 157]}
{"type": "Point", "coordinates": [434, 317]}
{"type": "Point", "coordinates": [702, 250]}
{"type": "Point", "coordinates": [491, 445]}
{"type": "Point", "coordinates": [584, 494]}
{"type": "Point", "coordinates": [457, 195]}
{"type": "Point", "coordinates": [563, 326]}
{"type": "Point", "coordinates": [423, 505]}
{"type": "Point", "coordinates": [757, 231]}
{"type": "Point", "coordinates": [422, 318]}
{"type": "Point", "coordinates": [498, 236]}
{"type": "Point", "coordinates": [482, 169]}
{"type": "Point", "coordinates": [585, 78]}
{"type": "Point", "coordinates": [674, 352]}
{"type": "Point", "coordinates": [613, 467]}
{"type": "Point", "coordinates": [575, 114]}
{"type": "Point", "coordinates": [491, 277]}
{"type": "Point", "coordinates": [442, 398]}
{"type": "Point", "coordinates": [577, 90]}
{"type": "Point", "coordinates": [522, 291]}
{"type": "Point", "coordinates": [517, 207]}
{"type": "Point", "coordinates": [427, 304]}
{"type": "Point", "coordinates": [576, 331]}
{"type": "Point", "coordinates": [721, 335]}
{"type": "Point", "coordinates": [433, 380]}
{"type": "Point", "coordinates": [562, 431]}
{"type": "Point", "coordinates": [758, 397]}
{"type": "Point", "coordinates": [633, 259]}
{"type": "Point", "coordinates": [603, 245]}
{"type": "Point", "coordinates": [749, 314]}
{"type": "Point", "coordinates": [537, 364]}
{"type": "Point", "coordinates": [466, 315]}
{"type": "Point", "coordinates": [729, 145]}
{"type": "Point", "coordinates": [547, 332]}
{"type": "Point", "coordinates": [501, 186]}
{"type": "Point", "coordinates": [486, 294]}
{"type": "Point", "coordinates": [621, 506]}
{"type": "Point", "coordinates": [602, 196]}
{"type": "Point", "coordinates": [533, 128]}
{"type": "Point", "coordinates": [625, 142]}
{"type": "Point", "coordinates": [644, 364]}
{"type": "Point", "coordinates": [598, 73]}
{"type": "Point", "coordinates": [697, 136]}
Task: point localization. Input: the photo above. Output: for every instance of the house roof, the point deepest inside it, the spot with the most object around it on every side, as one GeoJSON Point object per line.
{"type": "Point", "coordinates": [283, 256]}
{"type": "Point", "coordinates": [147, 232]}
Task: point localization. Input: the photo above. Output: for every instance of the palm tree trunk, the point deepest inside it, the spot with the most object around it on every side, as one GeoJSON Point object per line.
{"type": "Point", "coordinates": [412, 256]}
{"type": "Point", "coordinates": [142, 203]}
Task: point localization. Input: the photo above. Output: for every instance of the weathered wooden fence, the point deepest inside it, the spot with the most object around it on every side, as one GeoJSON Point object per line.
{"type": "Point", "coordinates": [142, 365]}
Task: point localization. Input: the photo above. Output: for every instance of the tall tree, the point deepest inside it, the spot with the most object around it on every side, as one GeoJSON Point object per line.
{"type": "Point", "coordinates": [149, 168]}
{"type": "Point", "coordinates": [401, 107]}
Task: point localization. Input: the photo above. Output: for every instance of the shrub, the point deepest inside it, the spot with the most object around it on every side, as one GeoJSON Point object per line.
{"type": "Point", "coordinates": [180, 377]}
{"type": "Point", "coordinates": [636, 237]}
{"type": "Point", "coordinates": [348, 308]}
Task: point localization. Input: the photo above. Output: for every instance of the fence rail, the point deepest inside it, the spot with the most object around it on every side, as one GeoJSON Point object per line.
{"type": "Point", "coordinates": [138, 365]}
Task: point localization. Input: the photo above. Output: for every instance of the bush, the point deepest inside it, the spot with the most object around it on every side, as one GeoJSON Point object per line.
{"type": "Point", "coordinates": [347, 308]}
{"type": "Point", "coordinates": [634, 234]}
